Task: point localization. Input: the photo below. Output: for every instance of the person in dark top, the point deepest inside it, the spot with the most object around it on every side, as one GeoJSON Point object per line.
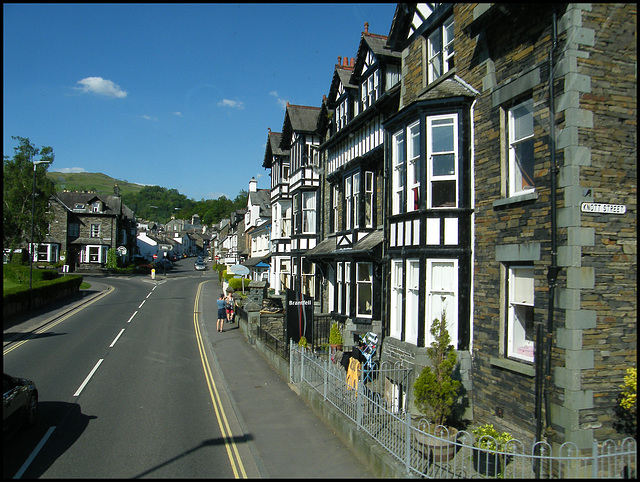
{"type": "Point", "coordinates": [222, 311]}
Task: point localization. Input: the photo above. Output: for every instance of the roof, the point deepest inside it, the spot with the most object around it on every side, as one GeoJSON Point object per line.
{"type": "Point", "coordinates": [262, 198]}
{"type": "Point", "coordinates": [273, 148]}
{"type": "Point", "coordinates": [378, 45]}
{"type": "Point", "coordinates": [113, 205]}
{"type": "Point", "coordinates": [298, 118]}
{"type": "Point", "coordinates": [450, 87]}
{"type": "Point", "coordinates": [366, 246]}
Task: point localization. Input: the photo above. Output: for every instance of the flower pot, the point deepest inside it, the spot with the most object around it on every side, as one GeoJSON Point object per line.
{"type": "Point", "coordinates": [487, 463]}
{"type": "Point", "coordinates": [439, 448]}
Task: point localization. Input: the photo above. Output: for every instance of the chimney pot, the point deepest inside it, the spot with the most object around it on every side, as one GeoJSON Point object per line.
{"type": "Point", "coordinates": [339, 59]}
{"type": "Point", "coordinates": [269, 129]}
{"type": "Point", "coordinates": [366, 27]}
{"type": "Point", "coordinates": [353, 61]}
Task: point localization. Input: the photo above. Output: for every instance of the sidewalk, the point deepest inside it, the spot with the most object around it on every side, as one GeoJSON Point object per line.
{"type": "Point", "coordinates": [290, 439]}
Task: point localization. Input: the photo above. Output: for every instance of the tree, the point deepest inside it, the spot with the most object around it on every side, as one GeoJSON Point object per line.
{"type": "Point", "coordinates": [17, 189]}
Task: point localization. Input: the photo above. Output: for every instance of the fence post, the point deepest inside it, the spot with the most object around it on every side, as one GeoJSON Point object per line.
{"type": "Point", "coordinates": [326, 378]}
{"type": "Point", "coordinates": [359, 401]}
{"type": "Point", "coordinates": [291, 360]}
{"type": "Point", "coordinates": [594, 457]}
{"type": "Point", "coordinates": [407, 441]}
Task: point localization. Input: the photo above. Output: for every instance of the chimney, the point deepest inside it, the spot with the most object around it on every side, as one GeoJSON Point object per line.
{"type": "Point", "coordinates": [353, 61]}
{"type": "Point", "coordinates": [269, 129]}
{"type": "Point", "coordinates": [346, 62]}
{"type": "Point", "coordinates": [253, 185]}
{"type": "Point", "coordinates": [339, 60]}
{"type": "Point", "coordinates": [366, 27]}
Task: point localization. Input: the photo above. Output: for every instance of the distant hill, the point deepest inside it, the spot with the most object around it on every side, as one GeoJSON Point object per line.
{"type": "Point", "coordinates": [91, 181]}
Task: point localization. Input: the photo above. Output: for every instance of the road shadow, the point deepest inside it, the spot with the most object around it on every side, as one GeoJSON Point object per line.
{"type": "Point", "coordinates": [69, 423]}
{"type": "Point", "coordinates": [205, 443]}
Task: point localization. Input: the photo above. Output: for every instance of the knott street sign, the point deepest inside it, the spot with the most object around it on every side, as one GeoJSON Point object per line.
{"type": "Point", "coordinates": [599, 208]}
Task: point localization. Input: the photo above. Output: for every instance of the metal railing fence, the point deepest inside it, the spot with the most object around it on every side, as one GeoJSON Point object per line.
{"type": "Point", "coordinates": [372, 405]}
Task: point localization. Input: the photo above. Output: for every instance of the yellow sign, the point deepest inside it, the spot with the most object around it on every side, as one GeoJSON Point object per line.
{"type": "Point", "coordinates": [353, 373]}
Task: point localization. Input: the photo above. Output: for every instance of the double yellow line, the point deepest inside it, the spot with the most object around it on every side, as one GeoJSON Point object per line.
{"type": "Point", "coordinates": [230, 445]}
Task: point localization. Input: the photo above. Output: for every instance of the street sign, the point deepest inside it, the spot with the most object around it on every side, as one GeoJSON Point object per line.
{"type": "Point", "coordinates": [155, 256]}
{"type": "Point", "coordinates": [122, 250]}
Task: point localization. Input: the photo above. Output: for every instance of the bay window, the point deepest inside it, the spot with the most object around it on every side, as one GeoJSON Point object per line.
{"type": "Point", "coordinates": [395, 323]}
{"type": "Point", "coordinates": [442, 297]}
{"type": "Point", "coordinates": [364, 289]}
{"type": "Point", "coordinates": [413, 167]}
{"type": "Point", "coordinates": [442, 152]}
{"type": "Point", "coordinates": [397, 172]}
{"type": "Point", "coordinates": [368, 199]}
{"type": "Point", "coordinates": [309, 212]}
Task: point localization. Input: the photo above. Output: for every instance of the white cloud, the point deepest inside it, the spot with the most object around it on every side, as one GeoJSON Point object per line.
{"type": "Point", "coordinates": [179, 114]}
{"type": "Point", "coordinates": [282, 102]}
{"type": "Point", "coordinates": [70, 169]}
{"type": "Point", "coordinates": [150, 118]}
{"type": "Point", "coordinates": [231, 103]}
{"type": "Point", "coordinates": [100, 86]}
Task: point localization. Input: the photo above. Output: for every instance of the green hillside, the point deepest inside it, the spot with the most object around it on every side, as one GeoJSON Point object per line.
{"type": "Point", "coordinates": [91, 181]}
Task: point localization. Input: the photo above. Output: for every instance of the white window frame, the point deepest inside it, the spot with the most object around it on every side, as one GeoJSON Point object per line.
{"type": "Point", "coordinates": [412, 301]}
{"type": "Point", "coordinates": [286, 220]}
{"type": "Point", "coordinates": [95, 230]}
{"type": "Point", "coordinates": [335, 203]}
{"type": "Point", "coordinates": [520, 296]}
{"type": "Point", "coordinates": [397, 306]}
{"type": "Point", "coordinates": [339, 286]}
{"type": "Point", "coordinates": [435, 123]}
{"type": "Point", "coordinates": [517, 181]}
{"type": "Point", "coordinates": [398, 172]}
{"type": "Point", "coordinates": [440, 48]}
{"type": "Point", "coordinates": [442, 282]}
{"type": "Point", "coordinates": [309, 212]}
{"type": "Point", "coordinates": [413, 166]}
{"type": "Point", "coordinates": [364, 285]}
{"type": "Point", "coordinates": [347, 287]}
{"type": "Point", "coordinates": [308, 277]}
{"type": "Point", "coordinates": [356, 199]}
{"type": "Point", "coordinates": [368, 199]}
{"type": "Point", "coordinates": [348, 200]}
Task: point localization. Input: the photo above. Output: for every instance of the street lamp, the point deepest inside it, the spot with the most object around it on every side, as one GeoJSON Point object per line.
{"type": "Point", "coordinates": [33, 210]}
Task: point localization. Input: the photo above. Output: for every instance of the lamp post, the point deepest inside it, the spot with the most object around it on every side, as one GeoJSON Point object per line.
{"type": "Point", "coordinates": [33, 211]}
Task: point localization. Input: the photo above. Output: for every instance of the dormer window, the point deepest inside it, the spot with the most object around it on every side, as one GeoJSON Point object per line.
{"type": "Point", "coordinates": [79, 206]}
{"type": "Point", "coordinates": [96, 208]}
{"type": "Point", "coordinates": [370, 88]}
{"type": "Point", "coordinates": [440, 50]}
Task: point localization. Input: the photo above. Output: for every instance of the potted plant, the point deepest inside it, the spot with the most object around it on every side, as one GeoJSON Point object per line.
{"type": "Point", "coordinates": [335, 337]}
{"type": "Point", "coordinates": [302, 343]}
{"type": "Point", "coordinates": [489, 442]}
{"type": "Point", "coordinates": [435, 391]}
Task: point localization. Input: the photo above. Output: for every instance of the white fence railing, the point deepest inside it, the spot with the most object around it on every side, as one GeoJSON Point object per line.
{"type": "Point", "coordinates": [370, 404]}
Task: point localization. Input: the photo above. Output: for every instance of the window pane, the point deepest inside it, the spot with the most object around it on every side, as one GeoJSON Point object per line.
{"type": "Point", "coordinates": [442, 136]}
{"type": "Point", "coordinates": [524, 163]}
{"type": "Point", "coordinates": [443, 194]}
{"type": "Point", "coordinates": [523, 120]}
{"type": "Point", "coordinates": [444, 165]}
{"type": "Point", "coordinates": [364, 298]}
{"type": "Point", "coordinates": [364, 272]}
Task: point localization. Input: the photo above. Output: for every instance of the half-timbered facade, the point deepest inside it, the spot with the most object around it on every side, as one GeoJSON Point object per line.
{"type": "Point", "coordinates": [278, 162]}
{"type": "Point", "coordinates": [300, 137]}
{"type": "Point", "coordinates": [363, 93]}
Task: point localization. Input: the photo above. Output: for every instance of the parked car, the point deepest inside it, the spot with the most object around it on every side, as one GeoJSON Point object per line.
{"type": "Point", "coordinates": [19, 403]}
{"type": "Point", "coordinates": [164, 263]}
{"type": "Point", "coordinates": [200, 266]}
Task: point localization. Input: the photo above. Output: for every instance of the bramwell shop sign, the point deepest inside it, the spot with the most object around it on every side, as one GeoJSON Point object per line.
{"type": "Point", "coordinates": [299, 316]}
{"type": "Point", "coordinates": [599, 208]}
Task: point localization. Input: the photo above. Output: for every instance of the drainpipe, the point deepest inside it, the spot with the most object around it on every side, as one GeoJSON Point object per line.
{"type": "Point", "coordinates": [552, 274]}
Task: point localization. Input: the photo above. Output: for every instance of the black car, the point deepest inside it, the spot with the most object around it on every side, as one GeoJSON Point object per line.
{"type": "Point", "coordinates": [19, 403]}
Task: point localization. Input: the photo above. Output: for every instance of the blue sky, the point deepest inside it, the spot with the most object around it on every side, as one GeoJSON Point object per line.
{"type": "Point", "coordinates": [179, 96]}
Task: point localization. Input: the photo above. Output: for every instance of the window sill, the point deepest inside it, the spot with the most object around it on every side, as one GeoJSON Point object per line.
{"type": "Point", "coordinates": [518, 198]}
{"type": "Point", "coordinates": [514, 366]}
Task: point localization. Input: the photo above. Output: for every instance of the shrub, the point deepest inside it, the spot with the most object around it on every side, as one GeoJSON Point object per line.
{"type": "Point", "coordinates": [335, 337]}
{"type": "Point", "coordinates": [626, 409]}
{"type": "Point", "coordinates": [435, 390]}
{"type": "Point", "coordinates": [236, 283]}
{"type": "Point", "coordinates": [497, 441]}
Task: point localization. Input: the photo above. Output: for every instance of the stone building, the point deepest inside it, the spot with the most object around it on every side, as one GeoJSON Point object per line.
{"type": "Point", "coordinates": [540, 164]}
{"type": "Point", "coordinates": [86, 225]}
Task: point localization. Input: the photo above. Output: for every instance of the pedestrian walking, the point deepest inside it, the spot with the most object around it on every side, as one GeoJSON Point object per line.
{"type": "Point", "coordinates": [231, 305]}
{"type": "Point", "coordinates": [222, 311]}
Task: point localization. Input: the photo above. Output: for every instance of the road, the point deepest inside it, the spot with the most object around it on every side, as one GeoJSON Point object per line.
{"type": "Point", "coordinates": [130, 387]}
{"type": "Point", "coordinates": [122, 382]}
